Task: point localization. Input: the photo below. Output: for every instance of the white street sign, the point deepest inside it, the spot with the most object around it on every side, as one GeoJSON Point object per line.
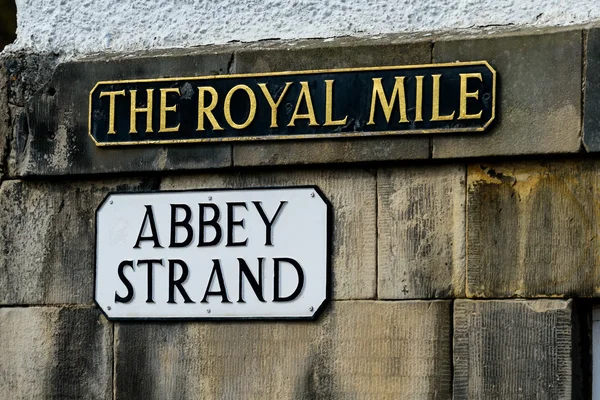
{"type": "Point", "coordinates": [252, 253]}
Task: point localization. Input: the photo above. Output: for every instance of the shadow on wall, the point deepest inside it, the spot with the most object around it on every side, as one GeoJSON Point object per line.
{"type": "Point", "coordinates": [8, 22]}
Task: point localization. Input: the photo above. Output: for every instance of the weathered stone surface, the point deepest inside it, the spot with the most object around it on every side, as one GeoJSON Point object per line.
{"type": "Point", "coordinates": [513, 349]}
{"type": "Point", "coordinates": [55, 353]}
{"type": "Point", "coordinates": [382, 350]}
{"type": "Point", "coordinates": [322, 55]}
{"type": "Point", "coordinates": [28, 73]}
{"type": "Point", "coordinates": [5, 125]}
{"type": "Point", "coordinates": [299, 152]}
{"type": "Point", "coordinates": [421, 223]}
{"type": "Point", "coordinates": [352, 193]}
{"type": "Point", "coordinates": [53, 135]}
{"type": "Point", "coordinates": [539, 89]}
{"type": "Point", "coordinates": [338, 53]}
{"type": "Point", "coordinates": [47, 239]}
{"type": "Point", "coordinates": [591, 116]}
{"type": "Point", "coordinates": [533, 229]}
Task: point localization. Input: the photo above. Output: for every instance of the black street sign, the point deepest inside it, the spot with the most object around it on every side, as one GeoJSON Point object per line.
{"type": "Point", "coordinates": [435, 98]}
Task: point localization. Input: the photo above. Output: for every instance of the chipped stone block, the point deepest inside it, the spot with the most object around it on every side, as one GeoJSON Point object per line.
{"type": "Point", "coordinates": [533, 229]}
{"type": "Point", "coordinates": [539, 89]}
{"type": "Point", "coordinates": [356, 350]}
{"type": "Point", "coordinates": [513, 349]}
{"type": "Point", "coordinates": [47, 239]}
{"type": "Point", "coordinates": [349, 53]}
{"type": "Point", "coordinates": [421, 223]}
{"type": "Point", "coordinates": [52, 353]}
{"type": "Point", "coordinates": [352, 194]}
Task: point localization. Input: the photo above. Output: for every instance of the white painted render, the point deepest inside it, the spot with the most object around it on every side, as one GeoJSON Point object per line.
{"type": "Point", "coordinates": [73, 27]}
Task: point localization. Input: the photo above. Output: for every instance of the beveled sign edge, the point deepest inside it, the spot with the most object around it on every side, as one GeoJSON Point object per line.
{"type": "Point", "coordinates": [328, 281]}
{"type": "Point", "coordinates": [292, 137]}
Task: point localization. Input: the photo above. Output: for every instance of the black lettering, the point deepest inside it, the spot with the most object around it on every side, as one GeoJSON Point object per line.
{"type": "Point", "coordinates": [223, 291]}
{"type": "Point", "coordinates": [150, 265]}
{"type": "Point", "coordinates": [299, 287]}
{"type": "Point", "coordinates": [149, 216]}
{"type": "Point", "coordinates": [268, 224]}
{"type": "Point", "coordinates": [178, 283]}
{"type": "Point", "coordinates": [212, 222]}
{"type": "Point", "coordinates": [256, 285]}
{"type": "Point", "coordinates": [183, 224]}
{"type": "Point", "coordinates": [231, 223]}
{"type": "Point", "coordinates": [129, 296]}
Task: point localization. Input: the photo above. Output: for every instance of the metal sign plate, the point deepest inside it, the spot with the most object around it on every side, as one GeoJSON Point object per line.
{"type": "Point", "coordinates": [434, 98]}
{"type": "Point", "coordinates": [251, 253]}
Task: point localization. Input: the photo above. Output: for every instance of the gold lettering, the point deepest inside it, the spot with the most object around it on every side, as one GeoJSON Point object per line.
{"type": "Point", "coordinates": [274, 105]}
{"type": "Point", "coordinates": [464, 95]}
{"type": "Point", "coordinates": [419, 109]}
{"type": "Point", "coordinates": [164, 109]}
{"type": "Point", "coordinates": [304, 94]}
{"type": "Point", "coordinates": [203, 110]}
{"type": "Point", "coordinates": [135, 110]}
{"type": "Point", "coordinates": [329, 121]}
{"type": "Point", "coordinates": [227, 107]}
{"type": "Point", "coordinates": [111, 108]}
{"type": "Point", "coordinates": [436, 102]}
{"type": "Point", "coordinates": [378, 93]}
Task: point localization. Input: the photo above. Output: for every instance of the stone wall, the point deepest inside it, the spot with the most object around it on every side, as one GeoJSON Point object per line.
{"type": "Point", "coordinates": [464, 266]}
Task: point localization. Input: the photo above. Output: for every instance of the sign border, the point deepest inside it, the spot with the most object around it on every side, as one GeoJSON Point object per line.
{"type": "Point", "coordinates": [306, 136]}
{"type": "Point", "coordinates": [317, 313]}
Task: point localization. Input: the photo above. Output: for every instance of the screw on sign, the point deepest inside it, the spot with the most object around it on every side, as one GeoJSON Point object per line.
{"type": "Point", "coordinates": [253, 253]}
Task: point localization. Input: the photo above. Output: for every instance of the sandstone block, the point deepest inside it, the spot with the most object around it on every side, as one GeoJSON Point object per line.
{"type": "Point", "coordinates": [356, 350]}
{"type": "Point", "coordinates": [352, 194]}
{"type": "Point", "coordinates": [533, 229]}
{"type": "Point", "coordinates": [47, 238]}
{"type": "Point", "coordinates": [421, 223]}
{"type": "Point", "coordinates": [513, 349]}
{"type": "Point", "coordinates": [55, 353]}
{"type": "Point", "coordinates": [539, 93]}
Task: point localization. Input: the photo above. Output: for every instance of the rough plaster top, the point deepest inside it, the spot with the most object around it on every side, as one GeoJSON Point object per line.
{"type": "Point", "coordinates": [71, 27]}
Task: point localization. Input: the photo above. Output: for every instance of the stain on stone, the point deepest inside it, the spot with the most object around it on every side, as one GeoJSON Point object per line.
{"type": "Point", "coordinates": [134, 371]}
{"type": "Point", "coordinates": [28, 73]}
{"type": "Point", "coordinates": [155, 361]}
{"type": "Point", "coordinates": [492, 238]}
{"type": "Point", "coordinates": [83, 365]}
{"type": "Point", "coordinates": [533, 233]}
{"type": "Point", "coordinates": [56, 142]}
{"type": "Point", "coordinates": [318, 380]}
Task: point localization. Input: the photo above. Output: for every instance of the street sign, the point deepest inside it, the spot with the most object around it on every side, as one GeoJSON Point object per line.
{"type": "Point", "coordinates": [390, 100]}
{"type": "Point", "coordinates": [213, 254]}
